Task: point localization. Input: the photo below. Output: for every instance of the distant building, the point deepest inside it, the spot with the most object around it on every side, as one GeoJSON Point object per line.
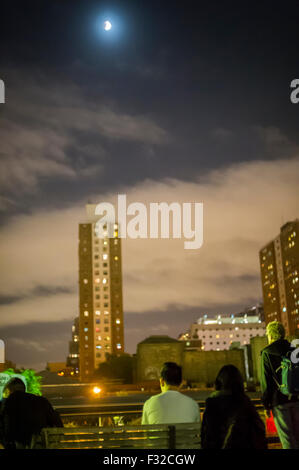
{"type": "Point", "coordinates": [73, 356]}
{"type": "Point", "coordinates": [101, 326]}
{"type": "Point", "coordinates": [223, 331]}
{"type": "Point", "coordinates": [153, 352]}
{"type": "Point", "coordinates": [56, 366]}
{"type": "Point", "coordinates": [198, 366]}
{"type": "Point", "coordinates": [257, 344]}
{"type": "Point", "coordinates": [279, 263]}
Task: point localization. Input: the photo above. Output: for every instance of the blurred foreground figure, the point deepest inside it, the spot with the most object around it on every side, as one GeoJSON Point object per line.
{"type": "Point", "coordinates": [23, 415]}
{"type": "Point", "coordinates": [230, 420]}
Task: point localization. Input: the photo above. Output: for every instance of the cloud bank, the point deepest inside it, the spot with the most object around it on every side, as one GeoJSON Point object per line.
{"type": "Point", "coordinates": [244, 207]}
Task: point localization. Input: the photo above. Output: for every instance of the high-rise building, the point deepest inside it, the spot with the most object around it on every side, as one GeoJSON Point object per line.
{"type": "Point", "coordinates": [279, 263]}
{"type": "Point", "coordinates": [101, 326]}
{"type": "Point", "coordinates": [73, 356]}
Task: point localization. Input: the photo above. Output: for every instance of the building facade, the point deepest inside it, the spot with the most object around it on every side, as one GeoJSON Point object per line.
{"type": "Point", "coordinates": [199, 367]}
{"type": "Point", "coordinates": [73, 355]}
{"type": "Point", "coordinates": [223, 332]}
{"type": "Point", "coordinates": [101, 327]}
{"type": "Point", "coordinates": [279, 264]}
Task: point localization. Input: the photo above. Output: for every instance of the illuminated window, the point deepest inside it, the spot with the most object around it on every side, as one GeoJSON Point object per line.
{"type": "Point", "coordinates": [99, 338]}
{"type": "Point", "coordinates": [105, 256]}
{"type": "Point", "coordinates": [116, 258]}
{"type": "Point", "coordinates": [97, 280]}
{"type": "Point", "coordinates": [86, 313]}
{"type": "Point", "coordinates": [104, 281]}
{"type": "Point", "coordinates": [117, 321]}
{"type": "Point", "coordinates": [98, 346]}
{"type": "Point", "coordinates": [85, 329]}
{"type": "Point", "coordinates": [98, 312]}
{"type": "Point", "coordinates": [85, 281]}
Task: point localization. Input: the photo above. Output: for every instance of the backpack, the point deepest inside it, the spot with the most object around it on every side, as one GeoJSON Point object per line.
{"type": "Point", "coordinates": [289, 374]}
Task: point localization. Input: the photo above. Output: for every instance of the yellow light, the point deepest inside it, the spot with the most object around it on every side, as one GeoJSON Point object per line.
{"type": "Point", "coordinates": [96, 390]}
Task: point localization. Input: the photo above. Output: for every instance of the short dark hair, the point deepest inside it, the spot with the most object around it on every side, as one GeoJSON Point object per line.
{"type": "Point", "coordinates": [15, 385]}
{"type": "Point", "coordinates": [230, 379]}
{"type": "Point", "coordinates": [171, 373]}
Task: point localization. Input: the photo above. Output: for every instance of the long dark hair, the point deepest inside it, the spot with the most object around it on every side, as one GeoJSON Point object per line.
{"type": "Point", "coordinates": [229, 379]}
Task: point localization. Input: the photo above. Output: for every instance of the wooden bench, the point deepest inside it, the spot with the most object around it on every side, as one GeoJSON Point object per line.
{"type": "Point", "coordinates": [160, 436]}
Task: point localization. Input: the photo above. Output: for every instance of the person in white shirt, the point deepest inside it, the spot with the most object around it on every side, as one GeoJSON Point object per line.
{"type": "Point", "coordinates": [170, 406]}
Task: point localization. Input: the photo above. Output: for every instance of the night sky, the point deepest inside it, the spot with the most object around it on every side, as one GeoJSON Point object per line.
{"type": "Point", "coordinates": [180, 101]}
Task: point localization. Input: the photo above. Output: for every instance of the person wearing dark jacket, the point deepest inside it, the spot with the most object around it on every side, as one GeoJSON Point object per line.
{"type": "Point", "coordinates": [23, 416]}
{"type": "Point", "coordinates": [230, 420]}
{"type": "Point", "coordinates": [285, 408]}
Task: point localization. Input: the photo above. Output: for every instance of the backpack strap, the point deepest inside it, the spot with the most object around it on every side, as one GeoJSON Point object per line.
{"type": "Point", "coordinates": [274, 372]}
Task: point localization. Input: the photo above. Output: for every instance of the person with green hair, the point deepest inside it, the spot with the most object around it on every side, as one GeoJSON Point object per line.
{"type": "Point", "coordinates": [285, 408]}
{"type": "Point", "coordinates": [23, 415]}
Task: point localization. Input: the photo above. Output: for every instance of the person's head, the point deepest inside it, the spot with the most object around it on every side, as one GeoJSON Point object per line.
{"type": "Point", "coordinates": [229, 379]}
{"type": "Point", "coordinates": [14, 385]}
{"type": "Point", "coordinates": [170, 376]}
{"type": "Point", "coordinates": [275, 331]}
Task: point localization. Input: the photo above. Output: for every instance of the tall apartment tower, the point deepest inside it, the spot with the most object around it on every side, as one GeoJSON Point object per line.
{"type": "Point", "coordinates": [279, 263]}
{"type": "Point", "coordinates": [101, 326]}
{"type": "Point", "coordinates": [73, 355]}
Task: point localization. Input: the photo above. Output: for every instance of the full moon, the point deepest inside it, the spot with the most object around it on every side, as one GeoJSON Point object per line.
{"type": "Point", "coordinates": [107, 25]}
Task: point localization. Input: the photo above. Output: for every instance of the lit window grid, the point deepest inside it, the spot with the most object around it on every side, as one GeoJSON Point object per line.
{"type": "Point", "coordinates": [226, 336]}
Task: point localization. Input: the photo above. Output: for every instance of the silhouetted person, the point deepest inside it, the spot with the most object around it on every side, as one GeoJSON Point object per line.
{"type": "Point", "coordinates": [24, 415]}
{"type": "Point", "coordinates": [230, 420]}
{"type": "Point", "coordinates": [170, 406]}
{"type": "Point", "coordinates": [285, 408]}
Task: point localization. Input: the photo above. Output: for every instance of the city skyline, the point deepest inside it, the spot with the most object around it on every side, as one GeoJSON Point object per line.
{"type": "Point", "coordinates": [176, 106]}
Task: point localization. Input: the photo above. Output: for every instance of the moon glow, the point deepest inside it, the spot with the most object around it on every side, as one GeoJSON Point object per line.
{"type": "Point", "coordinates": [107, 25]}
